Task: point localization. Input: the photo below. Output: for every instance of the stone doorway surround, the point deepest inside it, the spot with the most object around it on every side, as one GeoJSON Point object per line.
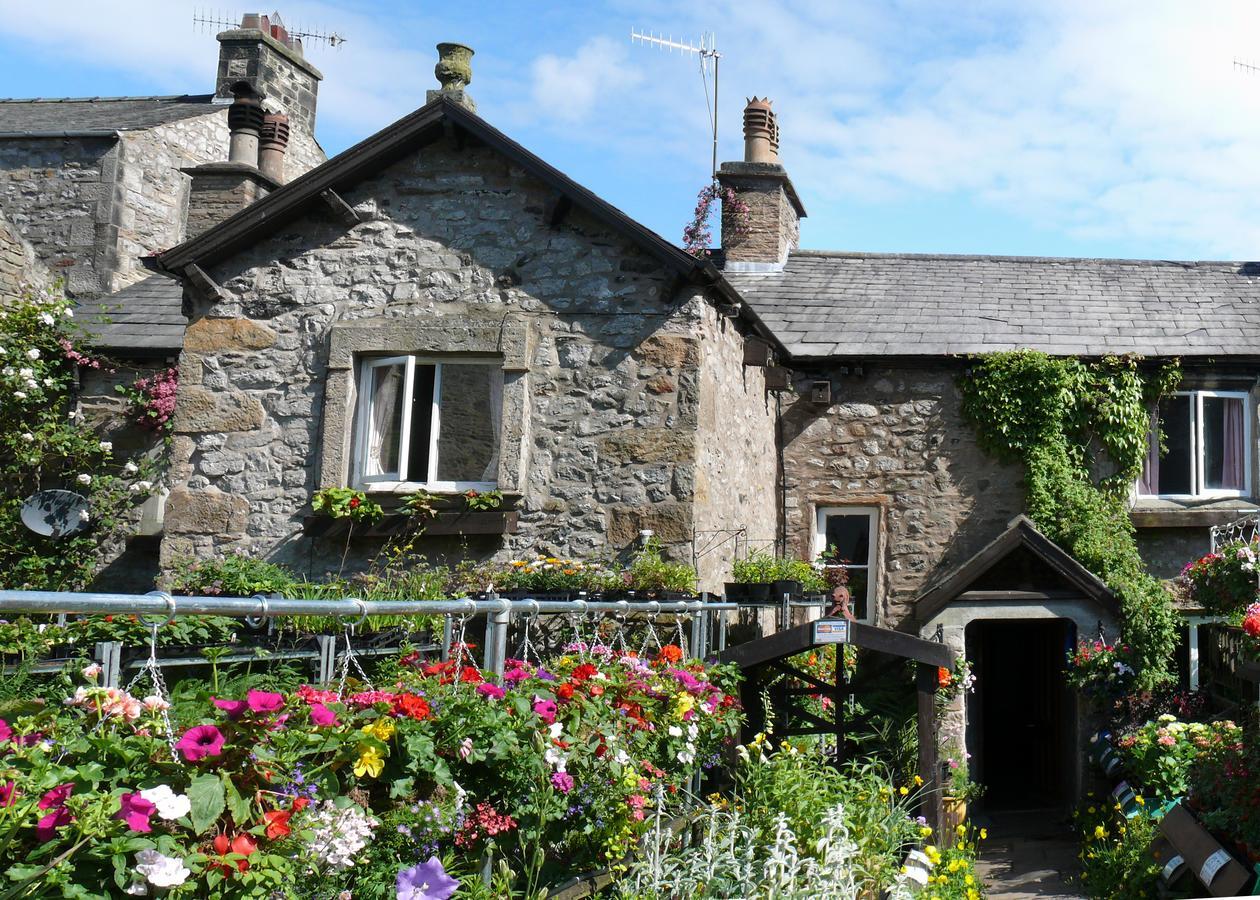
{"type": "Point", "coordinates": [1020, 575]}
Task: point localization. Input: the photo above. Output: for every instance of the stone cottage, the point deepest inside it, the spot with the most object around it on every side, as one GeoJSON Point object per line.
{"type": "Point", "coordinates": [89, 187]}
{"type": "Point", "coordinates": [437, 309]}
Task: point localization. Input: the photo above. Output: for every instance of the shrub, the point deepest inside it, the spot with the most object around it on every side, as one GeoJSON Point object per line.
{"type": "Point", "coordinates": [650, 572]}
{"type": "Point", "coordinates": [233, 575]}
{"type": "Point", "coordinates": [1160, 754]}
{"type": "Point", "coordinates": [1115, 853]}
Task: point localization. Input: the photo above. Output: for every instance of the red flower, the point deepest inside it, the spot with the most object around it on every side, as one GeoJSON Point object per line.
{"type": "Point", "coordinates": [583, 672]}
{"type": "Point", "coordinates": [354, 502]}
{"type": "Point", "coordinates": [670, 653]}
{"type": "Point", "coordinates": [596, 690]}
{"type": "Point", "coordinates": [471, 675]}
{"type": "Point", "coordinates": [565, 691]}
{"type": "Point", "coordinates": [277, 823]}
{"type": "Point", "coordinates": [944, 677]}
{"type": "Point", "coordinates": [413, 707]}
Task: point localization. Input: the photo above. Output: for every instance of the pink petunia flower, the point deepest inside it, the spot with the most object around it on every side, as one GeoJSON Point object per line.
{"type": "Point", "coordinates": [56, 798]}
{"type": "Point", "coordinates": [491, 691]}
{"type": "Point", "coordinates": [200, 742]}
{"type": "Point", "coordinates": [7, 794]}
{"type": "Point", "coordinates": [136, 812]}
{"type": "Point", "coordinates": [46, 828]}
{"type": "Point", "coordinates": [264, 701]}
{"type": "Point", "coordinates": [545, 709]}
{"type": "Point", "coordinates": [562, 782]}
{"type": "Point", "coordinates": [5, 731]}
{"type": "Point", "coordinates": [234, 708]}
{"type": "Point", "coordinates": [322, 716]}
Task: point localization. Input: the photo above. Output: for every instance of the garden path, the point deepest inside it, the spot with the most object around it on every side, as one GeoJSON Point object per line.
{"type": "Point", "coordinates": [1028, 855]}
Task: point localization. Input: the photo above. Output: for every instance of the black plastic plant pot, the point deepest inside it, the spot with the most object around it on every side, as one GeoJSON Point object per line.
{"type": "Point", "coordinates": [749, 591]}
{"type": "Point", "coordinates": [786, 587]}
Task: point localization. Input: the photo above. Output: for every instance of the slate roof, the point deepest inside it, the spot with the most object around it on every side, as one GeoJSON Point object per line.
{"type": "Point", "coordinates": [144, 318]}
{"type": "Point", "coordinates": [867, 304]}
{"type": "Point", "coordinates": [84, 116]}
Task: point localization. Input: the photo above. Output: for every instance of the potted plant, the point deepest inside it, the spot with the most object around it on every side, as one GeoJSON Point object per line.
{"type": "Point", "coordinates": [959, 791]}
{"type": "Point", "coordinates": [765, 578]}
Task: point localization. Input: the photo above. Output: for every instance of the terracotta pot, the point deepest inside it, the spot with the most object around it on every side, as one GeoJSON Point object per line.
{"type": "Point", "coordinates": [953, 814]}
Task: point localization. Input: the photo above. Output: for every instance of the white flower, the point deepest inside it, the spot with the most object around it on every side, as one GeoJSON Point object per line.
{"type": "Point", "coordinates": [91, 671]}
{"type": "Point", "coordinates": [7, 371]}
{"type": "Point", "coordinates": [339, 835]}
{"type": "Point", "coordinates": [3, 352]}
{"type": "Point", "coordinates": [28, 437]}
{"type": "Point", "coordinates": [154, 703]}
{"type": "Point", "coordinates": [141, 487]}
{"type": "Point", "coordinates": [32, 353]}
{"type": "Point", "coordinates": [675, 731]}
{"type": "Point", "coordinates": [130, 469]}
{"type": "Point", "coordinates": [106, 447]}
{"type": "Point", "coordinates": [84, 479]}
{"type": "Point", "coordinates": [68, 313]}
{"type": "Point", "coordinates": [555, 758]}
{"type": "Point", "coordinates": [84, 516]}
{"type": "Point", "coordinates": [49, 382]}
{"type": "Point", "coordinates": [686, 757]}
{"type": "Point", "coordinates": [47, 318]}
{"type": "Point", "coordinates": [170, 805]}
{"type": "Point", "coordinates": [555, 729]}
{"type": "Point", "coordinates": [161, 871]}
{"type": "Point", "coordinates": [19, 395]}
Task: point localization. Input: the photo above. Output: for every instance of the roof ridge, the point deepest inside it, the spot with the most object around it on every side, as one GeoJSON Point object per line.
{"type": "Point", "coordinates": [149, 97]}
{"type": "Point", "coordinates": [983, 257]}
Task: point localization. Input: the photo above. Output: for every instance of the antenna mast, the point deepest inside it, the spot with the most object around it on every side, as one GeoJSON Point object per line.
{"type": "Point", "coordinates": [203, 20]}
{"type": "Point", "coordinates": [707, 52]}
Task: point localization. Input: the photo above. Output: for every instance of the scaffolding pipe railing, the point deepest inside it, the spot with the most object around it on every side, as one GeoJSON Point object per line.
{"type": "Point", "coordinates": [499, 613]}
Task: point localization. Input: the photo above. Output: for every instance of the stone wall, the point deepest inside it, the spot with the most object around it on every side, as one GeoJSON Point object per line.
{"type": "Point", "coordinates": [607, 391]}
{"type": "Point", "coordinates": [59, 194]}
{"type": "Point", "coordinates": [19, 267]}
{"type": "Point", "coordinates": [894, 439]}
{"type": "Point", "coordinates": [736, 472]}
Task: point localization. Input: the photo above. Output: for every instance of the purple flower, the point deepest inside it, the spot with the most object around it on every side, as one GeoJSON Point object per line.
{"type": "Point", "coordinates": [264, 701]}
{"type": "Point", "coordinates": [426, 881]}
{"type": "Point", "coordinates": [544, 675]}
{"type": "Point", "coordinates": [201, 741]}
{"type": "Point", "coordinates": [562, 782]}
{"type": "Point", "coordinates": [136, 812]}
{"type": "Point", "coordinates": [5, 731]}
{"type": "Point", "coordinates": [491, 691]}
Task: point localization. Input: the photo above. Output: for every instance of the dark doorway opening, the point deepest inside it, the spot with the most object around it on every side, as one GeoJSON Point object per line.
{"type": "Point", "coordinates": [1022, 717]}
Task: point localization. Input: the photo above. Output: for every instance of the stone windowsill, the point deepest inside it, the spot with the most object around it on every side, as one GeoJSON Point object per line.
{"type": "Point", "coordinates": [446, 522]}
{"type": "Point", "coordinates": [1155, 513]}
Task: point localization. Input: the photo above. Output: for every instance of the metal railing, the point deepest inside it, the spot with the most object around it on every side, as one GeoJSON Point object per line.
{"type": "Point", "coordinates": [499, 613]}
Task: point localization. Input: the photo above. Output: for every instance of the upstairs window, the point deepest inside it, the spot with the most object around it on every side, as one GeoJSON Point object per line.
{"type": "Point", "coordinates": [845, 538]}
{"type": "Point", "coordinates": [428, 424]}
{"type": "Point", "coordinates": [1207, 437]}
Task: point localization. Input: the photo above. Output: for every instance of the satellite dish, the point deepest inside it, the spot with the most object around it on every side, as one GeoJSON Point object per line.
{"type": "Point", "coordinates": [55, 513]}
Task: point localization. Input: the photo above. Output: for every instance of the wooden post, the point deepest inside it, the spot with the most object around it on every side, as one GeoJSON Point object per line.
{"type": "Point", "coordinates": [929, 771]}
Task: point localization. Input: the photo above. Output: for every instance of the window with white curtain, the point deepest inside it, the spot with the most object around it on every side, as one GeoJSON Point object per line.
{"type": "Point", "coordinates": [845, 537]}
{"type": "Point", "coordinates": [1206, 453]}
{"type": "Point", "coordinates": [431, 424]}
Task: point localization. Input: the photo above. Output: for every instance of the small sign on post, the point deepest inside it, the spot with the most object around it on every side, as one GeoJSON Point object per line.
{"type": "Point", "coordinates": [831, 631]}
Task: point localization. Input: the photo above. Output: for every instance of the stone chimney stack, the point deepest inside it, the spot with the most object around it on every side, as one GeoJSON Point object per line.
{"type": "Point", "coordinates": [274, 140]}
{"type": "Point", "coordinates": [761, 240]}
{"type": "Point", "coordinates": [262, 53]}
{"type": "Point", "coordinates": [454, 73]}
{"type": "Point", "coordinates": [219, 190]}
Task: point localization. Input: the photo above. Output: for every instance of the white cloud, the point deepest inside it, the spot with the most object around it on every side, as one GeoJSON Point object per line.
{"type": "Point", "coordinates": [568, 88]}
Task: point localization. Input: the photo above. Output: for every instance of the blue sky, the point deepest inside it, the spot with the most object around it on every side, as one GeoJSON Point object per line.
{"type": "Point", "coordinates": [1040, 127]}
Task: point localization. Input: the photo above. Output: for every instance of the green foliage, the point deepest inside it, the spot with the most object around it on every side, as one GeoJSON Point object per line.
{"type": "Point", "coordinates": [233, 575]}
{"type": "Point", "coordinates": [483, 499]}
{"type": "Point", "coordinates": [1115, 852]}
{"type": "Point", "coordinates": [650, 571]}
{"type": "Point", "coordinates": [46, 443]}
{"type": "Point", "coordinates": [762, 567]}
{"type": "Point", "coordinates": [1160, 754]}
{"type": "Point", "coordinates": [1081, 431]}
{"type": "Point", "coordinates": [347, 503]}
{"type": "Point", "coordinates": [1224, 582]}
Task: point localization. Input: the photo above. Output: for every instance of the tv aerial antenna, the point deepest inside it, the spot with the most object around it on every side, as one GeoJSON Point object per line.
{"type": "Point", "coordinates": [706, 51]}
{"type": "Point", "coordinates": [205, 20]}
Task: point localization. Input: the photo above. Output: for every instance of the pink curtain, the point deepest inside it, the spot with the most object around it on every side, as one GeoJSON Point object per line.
{"type": "Point", "coordinates": [1233, 466]}
{"type": "Point", "coordinates": [1149, 482]}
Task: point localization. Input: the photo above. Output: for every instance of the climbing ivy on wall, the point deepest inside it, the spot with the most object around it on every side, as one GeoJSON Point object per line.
{"type": "Point", "coordinates": [1080, 429]}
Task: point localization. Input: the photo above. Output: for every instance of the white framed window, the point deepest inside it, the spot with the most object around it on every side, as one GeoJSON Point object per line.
{"type": "Point", "coordinates": [428, 424]}
{"type": "Point", "coordinates": [1207, 435]}
{"type": "Point", "coordinates": [846, 537]}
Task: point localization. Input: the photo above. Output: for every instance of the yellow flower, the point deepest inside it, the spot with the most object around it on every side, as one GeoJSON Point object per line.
{"type": "Point", "coordinates": [933, 855]}
{"type": "Point", "coordinates": [925, 830]}
{"type": "Point", "coordinates": [381, 729]}
{"type": "Point", "coordinates": [969, 880]}
{"type": "Point", "coordinates": [984, 834]}
{"type": "Point", "coordinates": [955, 865]}
{"type": "Point", "coordinates": [370, 763]}
{"type": "Point", "coordinates": [1091, 810]}
{"type": "Point", "coordinates": [918, 781]}
{"type": "Point", "coordinates": [1138, 799]}
{"type": "Point", "coordinates": [903, 790]}
{"type": "Point", "coordinates": [1100, 832]}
